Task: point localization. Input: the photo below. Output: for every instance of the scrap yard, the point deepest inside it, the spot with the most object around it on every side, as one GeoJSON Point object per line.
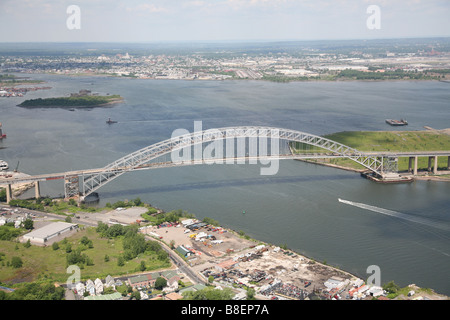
{"type": "Point", "coordinates": [274, 273]}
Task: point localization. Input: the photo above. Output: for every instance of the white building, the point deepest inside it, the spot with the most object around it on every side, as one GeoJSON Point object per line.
{"type": "Point", "coordinates": [98, 286]}
{"type": "Point", "coordinates": [80, 288]}
{"type": "Point", "coordinates": [52, 230]}
{"type": "Point", "coordinates": [90, 286]}
{"type": "Point", "coordinates": [109, 282]}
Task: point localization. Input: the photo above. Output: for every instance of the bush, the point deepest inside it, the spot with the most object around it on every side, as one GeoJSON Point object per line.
{"type": "Point", "coordinates": [16, 262]}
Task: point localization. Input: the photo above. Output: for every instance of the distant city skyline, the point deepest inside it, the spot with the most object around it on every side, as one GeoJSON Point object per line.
{"type": "Point", "coordinates": [220, 20]}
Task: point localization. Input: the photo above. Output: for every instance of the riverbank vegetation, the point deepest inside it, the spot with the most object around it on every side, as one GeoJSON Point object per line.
{"type": "Point", "coordinates": [10, 80]}
{"type": "Point", "coordinates": [385, 75]}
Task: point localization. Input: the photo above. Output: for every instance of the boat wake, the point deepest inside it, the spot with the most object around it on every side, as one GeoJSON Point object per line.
{"type": "Point", "coordinates": [399, 215]}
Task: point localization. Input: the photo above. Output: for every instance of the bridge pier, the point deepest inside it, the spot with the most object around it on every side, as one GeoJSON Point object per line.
{"type": "Point", "coordinates": [435, 169]}
{"type": "Point", "coordinates": [8, 193]}
{"type": "Point", "coordinates": [448, 163]}
{"type": "Point", "coordinates": [433, 166]}
{"type": "Point", "coordinates": [416, 163]}
{"type": "Point", "coordinates": [37, 190]}
{"type": "Point", "coordinates": [71, 187]}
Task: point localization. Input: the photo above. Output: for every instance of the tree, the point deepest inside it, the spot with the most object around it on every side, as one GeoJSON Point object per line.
{"type": "Point", "coordinates": [27, 244]}
{"type": "Point", "coordinates": [55, 246]}
{"type": "Point", "coordinates": [120, 261]}
{"type": "Point", "coordinates": [102, 228]}
{"type": "Point", "coordinates": [142, 266]}
{"type": "Point", "coordinates": [3, 195]}
{"type": "Point", "coordinates": [16, 262]}
{"type": "Point", "coordinates": [137, 202]}
{"type": "Point", "coordinates": [133, 244]}
{"type": "Point", "coordinates": [209, 293]}
{"type": "Point", "coordinates": [28, 224]}
{"type": "Point", "coordinates": [391, 287]}
{"type": "Point", "coordinates": [250, 294]}
{"type": "Point", "coordinates": [86, 242]}
{"type": "Point", "coordinates": [160, 283]}
{"type": "Point", "coordinates": [136, 295]}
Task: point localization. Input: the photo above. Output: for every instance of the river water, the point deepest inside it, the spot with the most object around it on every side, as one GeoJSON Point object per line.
{"type": "Point", "coordinates": [298, 206]}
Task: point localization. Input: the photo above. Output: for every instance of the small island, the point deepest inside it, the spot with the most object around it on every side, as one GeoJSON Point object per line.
{"type": "Point", "coordinates": [83, 99]}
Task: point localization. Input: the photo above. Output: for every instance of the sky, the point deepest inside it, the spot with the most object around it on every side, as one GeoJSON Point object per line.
{"type": "Point", "coordinates": [220, 20]}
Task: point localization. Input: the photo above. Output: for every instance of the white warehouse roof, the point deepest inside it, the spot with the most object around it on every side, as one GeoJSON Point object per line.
{"type": "Point", "coordinates": [49, 231]}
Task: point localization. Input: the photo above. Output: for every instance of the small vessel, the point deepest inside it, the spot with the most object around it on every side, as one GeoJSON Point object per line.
{"type": "Point", "coordinates": [393, 122]}
{"type": "Point", "coordinates": [109, 121]}
{"type": "Point", "coordinates": [3, 165]}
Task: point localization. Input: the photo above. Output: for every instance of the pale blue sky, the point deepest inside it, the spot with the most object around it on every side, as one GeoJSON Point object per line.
{"type": "Point", "coordinates": [212, 20]}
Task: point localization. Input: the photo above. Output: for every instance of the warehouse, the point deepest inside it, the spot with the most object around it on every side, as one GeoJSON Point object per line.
{"type": "Point", "coordinates": [43, 235]}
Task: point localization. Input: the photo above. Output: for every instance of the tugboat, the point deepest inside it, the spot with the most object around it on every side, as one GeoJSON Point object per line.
{"type": "Point", "coordinates": [109, 121]}
{"type": "Point", "coordinates": [2, 135]}
{"type": "Point", "coordinates": [401, 122]}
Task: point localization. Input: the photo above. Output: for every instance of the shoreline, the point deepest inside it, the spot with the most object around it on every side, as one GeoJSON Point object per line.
{"type": "Point", "coordinates": [430, 292]}
{"type": "Point", "coordinates": [239, 79]}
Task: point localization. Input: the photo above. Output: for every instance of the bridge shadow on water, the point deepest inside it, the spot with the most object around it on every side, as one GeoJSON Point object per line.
{"type": "Point", "coordinates": [227, 183]}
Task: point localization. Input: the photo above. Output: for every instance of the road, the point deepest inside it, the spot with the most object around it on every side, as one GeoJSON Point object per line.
{"type": "Point", "coordinates": [180, 263]}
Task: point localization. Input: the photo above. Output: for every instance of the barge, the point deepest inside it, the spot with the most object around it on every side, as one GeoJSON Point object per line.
{"type": "Point", "coordinates": [393, 122]}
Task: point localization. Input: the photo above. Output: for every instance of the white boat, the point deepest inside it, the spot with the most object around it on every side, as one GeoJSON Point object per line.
{"type": "Point", "coordinates": [3, 165]}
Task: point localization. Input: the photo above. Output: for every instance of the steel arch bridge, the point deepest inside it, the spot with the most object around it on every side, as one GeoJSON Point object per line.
{"type": "Point", "coordinates": [92, 180]}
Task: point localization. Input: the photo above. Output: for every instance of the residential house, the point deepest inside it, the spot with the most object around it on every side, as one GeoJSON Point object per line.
{"type": "Point", "coordinates": [98, 286]}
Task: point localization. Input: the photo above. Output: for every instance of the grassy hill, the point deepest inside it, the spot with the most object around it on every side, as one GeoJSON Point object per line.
{"type": "Point", "coordinates": [401, 141]}
{"type": "Point", "coordinates": [47, 263]}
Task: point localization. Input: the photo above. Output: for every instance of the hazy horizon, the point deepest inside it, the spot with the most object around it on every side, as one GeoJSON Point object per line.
{"type": "Point", "coordinates": [150, 21]}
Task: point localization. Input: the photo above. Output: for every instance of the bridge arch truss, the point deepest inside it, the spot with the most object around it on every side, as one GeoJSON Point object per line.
{"type": "Point", "coordinates": [138, 159]}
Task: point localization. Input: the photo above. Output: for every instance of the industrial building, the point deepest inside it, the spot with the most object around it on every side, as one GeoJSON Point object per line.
{"type": "Point", "coordinates": [43, 235]}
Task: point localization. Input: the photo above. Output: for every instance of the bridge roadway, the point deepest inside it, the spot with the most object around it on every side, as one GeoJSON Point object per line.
{"type": "Point", "coordinates": [88, 172]}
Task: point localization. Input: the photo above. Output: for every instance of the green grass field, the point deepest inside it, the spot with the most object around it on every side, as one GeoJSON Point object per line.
{"type": "Point", "coordinates": [46, 263]}
{"type": "Point", "coordinates": [400, 141]}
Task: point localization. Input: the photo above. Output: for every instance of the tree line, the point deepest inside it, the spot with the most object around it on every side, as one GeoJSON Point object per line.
{"type": "Point", "coordinates": [68, 101]}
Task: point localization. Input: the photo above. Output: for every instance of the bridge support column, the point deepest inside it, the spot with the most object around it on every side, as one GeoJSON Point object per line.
{"type": "Point", "coordinates": [37, 191]}
{"type": "Point", "coordinates": [8, 193]}
{"type": "Point", "coordinates": [71, 187]}
{"type": "Point", "coordinates": [416, 163]}
{"type": "Point", "coordinates": [448, 163]}
{"type": "Point", "coordinates": [410, 164]}
{"type": "Point", "coordinates": [429, 163]}
{"type": "Point", "coordinates": [435, 169]}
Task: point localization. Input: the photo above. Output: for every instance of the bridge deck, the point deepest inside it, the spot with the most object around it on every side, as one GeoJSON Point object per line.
{"type": "Point", "coordinates": [88, 172]}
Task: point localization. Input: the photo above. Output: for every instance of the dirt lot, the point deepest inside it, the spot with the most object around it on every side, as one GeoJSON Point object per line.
{"type": "Point", "coordinates": [294, 269]}
{"type": "Point", "coordinates": [206, 250]}
{"type": "Point", "coordinates": [126, 215]}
